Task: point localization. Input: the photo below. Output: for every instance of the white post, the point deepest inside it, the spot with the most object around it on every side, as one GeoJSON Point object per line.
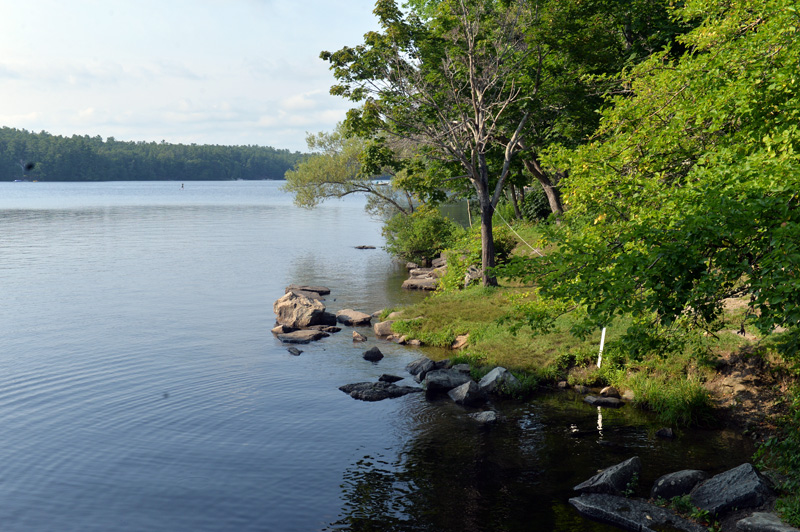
{"type": "Point", "coordinates": [602, 342]}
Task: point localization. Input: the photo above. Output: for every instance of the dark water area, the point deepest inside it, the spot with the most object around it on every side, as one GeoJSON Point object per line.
{"type": "Point", "coordinates": [141, 389]}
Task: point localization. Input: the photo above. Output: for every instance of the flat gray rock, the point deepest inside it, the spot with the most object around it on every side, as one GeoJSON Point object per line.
{"type": "Point", "coordinates": [377, 391]}
{"type": "Point", "coordinates": [320, 290]}
{"type": "Point", "coordinates": [612, 480]}
{"type": "Point", "coordinates": [353, 318]}
{"type": "Point", "coordinates": [305, 336]}
{"type": "Point", "coordinates": [631, 514]}
{"type": "Point", "coordinates": [764, 522]}
{"type": "Point", "coordinates": [740, 487]}
{"type": "Point", "coordinates": [420, 283]}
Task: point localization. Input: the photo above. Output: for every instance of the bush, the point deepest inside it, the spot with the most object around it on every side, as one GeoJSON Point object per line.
{"type": "Point", "coordinates": [535, 206]}
{"type": "Point", "coordinates": [420, 236]}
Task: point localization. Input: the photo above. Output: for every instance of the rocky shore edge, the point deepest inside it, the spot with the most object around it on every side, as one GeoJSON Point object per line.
{"type": "Point", "coordinates": [740, 499]}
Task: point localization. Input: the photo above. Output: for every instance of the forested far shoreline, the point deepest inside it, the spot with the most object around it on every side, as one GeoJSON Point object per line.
{"type": "Point", "coordinates": [46, 157]}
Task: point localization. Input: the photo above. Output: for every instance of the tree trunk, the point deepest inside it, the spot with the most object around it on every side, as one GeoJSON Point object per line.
{"type": "Point", "coordinates": [550, 189]}
{"type": "Point", "coordinates": [487, 240]}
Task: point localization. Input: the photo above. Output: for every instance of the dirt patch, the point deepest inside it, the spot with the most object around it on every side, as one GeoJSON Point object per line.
{"type": "Point", "coordinates": [749, 391]}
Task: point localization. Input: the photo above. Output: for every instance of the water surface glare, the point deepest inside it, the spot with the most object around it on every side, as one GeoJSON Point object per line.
{"type": "Point", "coordinates": [141, 388]}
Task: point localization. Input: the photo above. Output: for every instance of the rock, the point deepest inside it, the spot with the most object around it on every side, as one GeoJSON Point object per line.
{"type": "Point", "coordinates": [677, 484]}
{"type": "Point", "coordinates": [402, 340]}
{"type": "Point", "coordinates": [763, 522]}
{"type": "Point", "coordinates": [325, 328]}
{"type": "Point", "coordinates": [365, 247]}
{"type": "Point", "coordinates": [419, 367]}
{"type": "Point", "coordinates": [421, 272]}
{"type": "Point", "coordinates": [442, 364]}
{"type": "Point", "coordinates": [302, 337]}
{"type": "Point", "coordinates": [293, 350]}
{"type": "Point", "coordinates": [461, 342]}
{"type": "Point", "coordinates": [415, 342]}
{"type": "Point", "coordinates": [463, 368]}
{"type": "Point", "coordinates": [609, 391]}
{"type": "Point", "coordinates": [611, 402]}
{"type": "Point", "coordinates": [580, 388]}
{"type": "Point", "coordinates": [443, 380]}
{"type": "Point", "coordinates": [629, 514]}
{"type": "Point", "coordinates": [383, 328]}
{"type": "Point", "coordinates": [666, 433]}
{"type": "Point", "coordinates": [389, 378]}
{"type": "Point", "coordinates": [489, 417]}
{"type": "Point", "coordinates": [467, 394]}
{"type": "Point", "coordinates": [439, 262]}
{"type": "Point", "coordinates": [358, 337]}
{"type": "Point", "coordinates": [497, 380]}
{"type": "Point", "coordinates": [411, 265]}
{"type": "Point", "coordinates": [740, 487]}
{"type": "Point", "coordinates": [298, 311]}
{"type": "Point", "coordinates": [328, 318]}
{"type": "Point", "coordinates": [305, 293]}
{"type": "Point", "coordinates": [628, 395]}
{"type": "Point", "coordinates": [420, 283]}
{"type": "Point", "coordinates": [394, 315]}
{"type": "Point", "coordinates": [352, 317]}
{"type": "Point", "coordinates": [563, 385]}
{"type": "Point", "coordinates": [373, 354]}
{"type": "Point", "coordinates": [283, 329]}
{"type": "Point", "coordinates": [321, 290]}
{"type": "Point", "coordinates": [377, 391]}
{"type": "Point", "coordinates": [613, 480]}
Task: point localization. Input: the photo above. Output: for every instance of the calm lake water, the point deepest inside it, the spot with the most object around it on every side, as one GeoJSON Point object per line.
{"type": "Point", "coordinates": [141, 388]}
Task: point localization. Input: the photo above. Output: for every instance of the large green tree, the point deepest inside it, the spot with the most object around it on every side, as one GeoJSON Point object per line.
{"type": "Point", "coordinates": [688, 193]}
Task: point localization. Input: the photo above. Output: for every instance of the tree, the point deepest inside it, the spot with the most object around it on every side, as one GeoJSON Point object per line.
{"type": "Point", "coordinates": [448, 85]}
{"type": "Point", "coordinates": [335, 169]}
{"type": "Point", "coordinates": [687, 194]}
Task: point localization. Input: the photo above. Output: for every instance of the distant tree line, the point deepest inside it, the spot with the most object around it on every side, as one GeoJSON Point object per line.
{"type": "Point", "coordinates": [45, 157]}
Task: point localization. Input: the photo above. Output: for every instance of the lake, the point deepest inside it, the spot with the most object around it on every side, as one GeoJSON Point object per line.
{"type": "Point", "coordinates": [141, 388]}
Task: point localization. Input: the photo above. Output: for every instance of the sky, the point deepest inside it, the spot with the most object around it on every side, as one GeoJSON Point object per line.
{"type": "Point", "coordinates": [229, 72]}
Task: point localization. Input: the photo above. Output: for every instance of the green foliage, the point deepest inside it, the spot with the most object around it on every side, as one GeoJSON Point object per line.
{"type": "Point", "coordinates": [466, 252]}
{"type": "Point", "coordinates": [782, 452]}
{"type": "Point", "coordinates": [420, 236]}
{"type": "Point", "coordinates": [535, 206]}
{"type": "Point", "coordinates": [84, 158]}
{"type": "Point", "coordinates": [687, 193]}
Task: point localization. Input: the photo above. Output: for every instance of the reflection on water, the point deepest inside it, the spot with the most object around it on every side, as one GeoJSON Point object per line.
{"type": "Point", "coordinates": [453, 474]}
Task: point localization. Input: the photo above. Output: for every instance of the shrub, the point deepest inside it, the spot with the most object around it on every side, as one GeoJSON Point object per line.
{"type": "Point", "coordinates": [420, 236]}
{"type": "Point", "coordinates": [466, 252]}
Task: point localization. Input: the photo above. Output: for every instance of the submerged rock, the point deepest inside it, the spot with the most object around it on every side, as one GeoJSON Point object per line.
{"type": "Point", "coordinates": [613, 480]}
{"type": "Point", "coordinates": [610, 402]}
{"type": "Point", "coordinates": [304, 336]}
{"type": "Point", "coordinates": [293, 350]}
{"type": "Point", "coordinates": [629, 514]}
{"type": "Point", "coordinates": [377, 391]}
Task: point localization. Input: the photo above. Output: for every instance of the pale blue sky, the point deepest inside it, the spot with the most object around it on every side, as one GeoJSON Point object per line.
{"type": "Point", "coordinates": [202, 71]}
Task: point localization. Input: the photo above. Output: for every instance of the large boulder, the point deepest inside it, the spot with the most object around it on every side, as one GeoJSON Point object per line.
{"type": "Point", "coordinates": [677, 484]}
{"type": "Point", "coordinates": [304, 336]}
{"type": "Point", "coordinates": [383, 329]}
{"type": "Point", "coordinates": [467, 394]}
{"type": "Point", "coordinates": [298, 311]}
{"type": "Point", "coordinates": [352, 317]}
{"type": "Point", "coordinates": [629, 514]}
{"type": "Point", "coordinates": [377, 391]}
{"type": "Point", "coordinates": [444, 380]}
{"type": "Point", "coordinates": [420, 367]}
{"type": "Point", "coordinates": [498, 379]}
{"type": "Point", "coordinates": [740, 487]}
{"type": "Point", "coordinates": [613, 480]}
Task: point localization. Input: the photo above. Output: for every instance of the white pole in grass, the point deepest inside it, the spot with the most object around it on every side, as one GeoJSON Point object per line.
{"type": "Point", "coordinates": [602, 342]}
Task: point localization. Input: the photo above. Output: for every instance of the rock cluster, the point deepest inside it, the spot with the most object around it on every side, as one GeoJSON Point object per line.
{"type": "Point", "coordinates": [425, 278]}
{"type": "Point", "coordinates": [603, 498]}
